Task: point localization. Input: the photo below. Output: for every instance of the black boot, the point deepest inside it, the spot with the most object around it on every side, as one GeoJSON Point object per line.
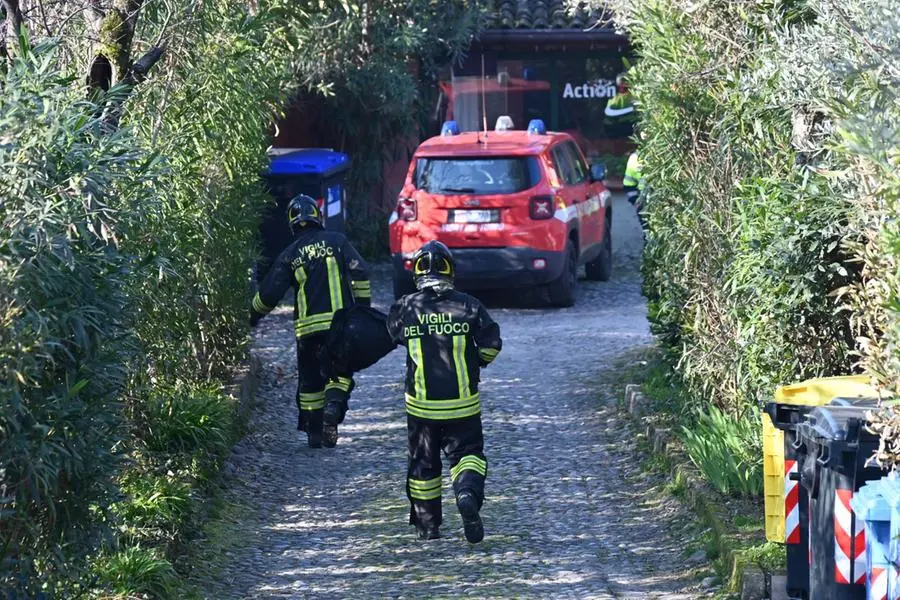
{"type": "Point", "coordinates": [428, 533]}
{"type": "Point", "coordinates": [335, 409]}
{"type": "Point", "coordinates": [334, 414]}
{"type": "Point", "coordinates": [467, 503]}
{"type": "Point", "coordinates": [329, 435]}
{"type": "Point", "coordinates": [313, 423]}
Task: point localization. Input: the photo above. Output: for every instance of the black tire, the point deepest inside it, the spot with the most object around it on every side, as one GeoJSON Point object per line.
{"type": "Point", "coordinates": [403, 286]}
{"type": "Point", "coordinates": [600, 269]}
{"type": "Point", "coordinates": [562, 291]}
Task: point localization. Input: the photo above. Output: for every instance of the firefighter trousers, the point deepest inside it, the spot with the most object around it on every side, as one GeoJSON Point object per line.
{"type": "Point", "coordinates": [463, 443]}
{"type": "Point", "coordinates": [313, 387]}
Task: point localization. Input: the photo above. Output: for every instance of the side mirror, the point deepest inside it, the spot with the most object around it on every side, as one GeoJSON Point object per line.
{"type": "Point", "coordinates": [598, 172]}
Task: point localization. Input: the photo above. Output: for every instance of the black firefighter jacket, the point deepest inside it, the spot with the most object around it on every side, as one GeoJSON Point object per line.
{"type": "Point", "coordinates": [448, 338]}
{"type": "Point", "coordinates": [327, 274]}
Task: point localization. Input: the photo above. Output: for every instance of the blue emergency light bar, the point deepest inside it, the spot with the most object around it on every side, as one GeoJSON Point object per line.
{"type": "Point", "coordinates": [450, 128]}
{"type": "Point", "coordinates": [537, 127]}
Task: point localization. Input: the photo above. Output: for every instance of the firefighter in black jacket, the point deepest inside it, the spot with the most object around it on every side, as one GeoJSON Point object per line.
{"type": "Point", "coordinates": [449, 336]}
{"type": "Point", "coordinates": [327, 274]}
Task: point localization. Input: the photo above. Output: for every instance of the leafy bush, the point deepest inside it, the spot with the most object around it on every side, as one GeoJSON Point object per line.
{"type": "Point", "coordinates": [71, 191]}
{"type": "Point", "coordinates": [124, 256]}
{"type": "Point", "coordinates": [770, 148]}
{"type": "Point", "coordinates": [727, 451]}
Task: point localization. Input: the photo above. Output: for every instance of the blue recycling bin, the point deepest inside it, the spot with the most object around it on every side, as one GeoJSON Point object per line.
{"type": "Point", "coordinates": [891, 493]}
{"type": "Point", "coordinates": [871, 506]}
{"type": "Point", "coordinates": [317, 172]}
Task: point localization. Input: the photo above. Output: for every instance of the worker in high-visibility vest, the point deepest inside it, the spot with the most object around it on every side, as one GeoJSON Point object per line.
{"type": "Point", "coordinates": [327, 274]}
{"type": "Point", "coordinates": [635, 185]}
{"type": "Point", "coordinates": [449, 337]}
{"type": "Point", "coordinates": [620, 110]}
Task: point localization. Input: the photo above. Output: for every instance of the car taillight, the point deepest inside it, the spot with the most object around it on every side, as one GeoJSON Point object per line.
{"type": "Point", "coordinates": [406, 209]}
{"type": "Point", "coordinates": [541, 208]}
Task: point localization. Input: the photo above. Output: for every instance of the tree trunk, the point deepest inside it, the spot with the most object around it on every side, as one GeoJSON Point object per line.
{"type": "Point", "coordinates": [15, 24]}
{"type": "Point", "coordinates": [113, 27]}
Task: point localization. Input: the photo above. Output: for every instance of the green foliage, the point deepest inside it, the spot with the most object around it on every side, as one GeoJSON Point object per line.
{"type": "Point", "coordinates": [615, 163]}
{"type": "Point", "coordinates": [365, 67]}
{"type": "Point", "coordinates": [124, 259]}
{"type": "Point", "coordinates": [186, 421]}
{"type": "Point", "coordinates": [156, 507]}
{"type": "Point", "coordinates": [745, 252]}
{"type": "Point", "coordinates": [727, 450]}
{"type": "Point", "coordinates": [71, 191]}
{"type": "Point", "coordinates": [771, 150]}
{"type": "Point", "coordinates": [769, 556]}
{"type": "Point", "coordinates": [137, 571]}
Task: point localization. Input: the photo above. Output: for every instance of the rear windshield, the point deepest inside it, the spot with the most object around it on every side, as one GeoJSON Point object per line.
{"type": "Point", "coordinates": [490, 175]}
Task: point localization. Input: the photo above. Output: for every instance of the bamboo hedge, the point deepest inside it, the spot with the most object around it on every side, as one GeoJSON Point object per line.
{"type": "Point", "coordinates": [769, 137]}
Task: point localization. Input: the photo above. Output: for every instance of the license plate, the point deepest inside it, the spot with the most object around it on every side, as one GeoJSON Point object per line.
{"type": "Point", "coordinates": [475, 216]}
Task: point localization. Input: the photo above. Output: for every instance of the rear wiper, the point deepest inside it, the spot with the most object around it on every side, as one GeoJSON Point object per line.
{"type": "Point", "coordinates": [466, 190]}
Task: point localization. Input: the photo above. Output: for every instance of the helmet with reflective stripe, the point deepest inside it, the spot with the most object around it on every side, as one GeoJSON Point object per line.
{"type": "Point", "coordinates": [433, 267]}
{"type": "Point", "coordinates": [302, 211]}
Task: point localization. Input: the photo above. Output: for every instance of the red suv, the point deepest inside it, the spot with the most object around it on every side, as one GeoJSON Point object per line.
{"type": "Point", "coordinates": [518, 208]}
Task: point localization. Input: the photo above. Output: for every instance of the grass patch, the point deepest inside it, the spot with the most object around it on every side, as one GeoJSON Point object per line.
{"type": "Point", "coordinates": [137, 571]}
{"type": "Point", "coordinates": [769, 556]}
{"type": "Point", "coordinates": [188, 420]}
{"type": "Point", "coordinates": [727, 451]}
{"type": "Point", "coordinates": [184, 435]}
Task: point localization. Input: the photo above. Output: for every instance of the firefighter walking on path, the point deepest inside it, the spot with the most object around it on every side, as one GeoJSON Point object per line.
{"type": "Point", "coordinates": [327, 274]}
{"type": "Point", "coordinates": [449, 337]}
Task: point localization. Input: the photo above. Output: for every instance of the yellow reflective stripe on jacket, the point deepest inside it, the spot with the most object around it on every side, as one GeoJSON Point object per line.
{"type": "Point", "coordinates": [459, 363]}
{"type": "Point", "coordinates": [442, 410]}
{"type": "Point", "coordinates": [313, 324]}
{"type": "Point", "coordinates": [488, 354]}
{"type": "Point", "coordinates": [260, 306]}
{"type": "Point", "coordinates": [334, 284]}
{"type": "Point", "coordinates": [415, 352]}
{"type": "Point", "coordinates": [469, 463]}
{"type": "Point", "coordinates": [341, 383]}
{"type": "Point", "coordinates": [312, 401]}
{"type": "Point", "coordinates": [361, 289]}
{"type": "Point", "coordinates": [424, 489]}
{"type": "Point", "coordinates": [300, 276]}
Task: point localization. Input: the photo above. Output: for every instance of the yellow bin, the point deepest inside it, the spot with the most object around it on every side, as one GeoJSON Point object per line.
{"type": "Point", "coordinates": [812, 392]}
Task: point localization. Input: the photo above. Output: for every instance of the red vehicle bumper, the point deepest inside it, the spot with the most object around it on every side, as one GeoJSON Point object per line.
{"type": "Point", "coordinates": [495, 268]}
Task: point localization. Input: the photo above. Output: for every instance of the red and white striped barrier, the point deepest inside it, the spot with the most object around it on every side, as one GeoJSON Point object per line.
{"type": "Point", "coordinates": [849, 541]}
{"type": "Point", "coordinates": [791, 504]}
{"type": "Point", "coordinates": [878, 584]}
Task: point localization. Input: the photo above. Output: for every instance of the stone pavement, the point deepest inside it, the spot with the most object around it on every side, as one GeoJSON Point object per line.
{"type": "Point", "coordinates": [569, 512]}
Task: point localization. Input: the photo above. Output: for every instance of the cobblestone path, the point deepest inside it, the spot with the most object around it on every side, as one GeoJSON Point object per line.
{"type": "Point", "coordinates": [569, 513]}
